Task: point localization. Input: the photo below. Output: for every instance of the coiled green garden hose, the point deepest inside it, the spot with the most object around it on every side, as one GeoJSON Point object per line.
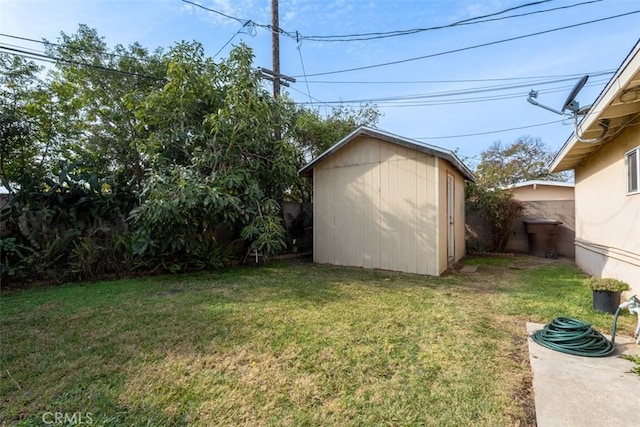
{"type": "Point", "coordinates": [575, 337]}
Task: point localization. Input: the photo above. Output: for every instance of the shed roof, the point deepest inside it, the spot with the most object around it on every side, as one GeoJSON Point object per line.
{"type": "Point", "coordinates": [394, 139]}
{"type": "Point", "coordinates": [541, 182]}
{"type": "Point", "coordinates": [619, 103]}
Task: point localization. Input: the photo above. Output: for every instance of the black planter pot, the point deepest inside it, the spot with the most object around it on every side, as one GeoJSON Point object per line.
{"type": "Point", "coordinates": [606, 301]}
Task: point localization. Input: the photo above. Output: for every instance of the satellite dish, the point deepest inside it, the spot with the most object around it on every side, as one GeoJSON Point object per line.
{"type": "Point", "coordinates": [571, 104]}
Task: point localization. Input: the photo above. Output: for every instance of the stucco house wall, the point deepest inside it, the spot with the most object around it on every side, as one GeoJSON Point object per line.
{"type": "Point", "coordinates": [379, 203]}
{"type": "Point", "coordinates": [607, 218]}
{"type": "Point", "coordinates": [607, 214]}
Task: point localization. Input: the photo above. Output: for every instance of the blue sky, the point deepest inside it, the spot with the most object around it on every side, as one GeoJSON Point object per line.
{"type": "Point", "coordinates": [438, 115]}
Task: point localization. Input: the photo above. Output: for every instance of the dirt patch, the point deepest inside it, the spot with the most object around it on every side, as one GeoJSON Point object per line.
{"type": "Point", "coordinates": [520, 377]}
{"type": "Point", "coordinates": [524, 394]}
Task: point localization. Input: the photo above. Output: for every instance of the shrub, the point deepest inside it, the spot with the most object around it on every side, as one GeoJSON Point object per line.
{"type": "Point", "coordinates": [499, 208]}
{"type": "Point", "coordinates": [606, 284]}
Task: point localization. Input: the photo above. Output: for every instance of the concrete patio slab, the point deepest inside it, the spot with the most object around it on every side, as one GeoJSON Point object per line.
{"type": "Point", "coordinates": [584, 391]}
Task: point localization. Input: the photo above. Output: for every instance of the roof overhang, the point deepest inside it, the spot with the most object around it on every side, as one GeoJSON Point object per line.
{"type": "Point", "coordinates": [394, 139]}
{"type": "Point", "coordinates": [540, 182]}
{"type": "Point", "coordinates": [618, 105]}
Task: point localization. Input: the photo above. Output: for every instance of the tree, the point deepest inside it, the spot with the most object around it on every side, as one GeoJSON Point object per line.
{"type": "Point", "coordinates": [500, 166]}
{"type": "Point", "coordinates": [98, 89]}
{"type": "Point", "coordinates": [526, 159]}
{"type": "Point", "coordinates": [500, 210]}
{"type": "Point", "coordinates": [312, 133]}
{"type": "Point", "coordinates": [27, 124]}
{"type": "Point", "coordinates": [214, 158]}
{"type": "Point", "coordinates": [148, 154]}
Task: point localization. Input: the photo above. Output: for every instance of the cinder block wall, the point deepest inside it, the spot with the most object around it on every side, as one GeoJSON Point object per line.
{"type": "Point", "coordinates": [559, 210]}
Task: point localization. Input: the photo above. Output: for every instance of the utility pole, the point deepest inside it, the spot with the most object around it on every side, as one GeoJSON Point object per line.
{"type": "Point", "coordinates": [275, 45]}
{"type": "Point", "coordinates": [274, 75]}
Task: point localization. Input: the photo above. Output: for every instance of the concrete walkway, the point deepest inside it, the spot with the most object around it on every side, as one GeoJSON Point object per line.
{"type": "Point", "coordinates": [575, 391]}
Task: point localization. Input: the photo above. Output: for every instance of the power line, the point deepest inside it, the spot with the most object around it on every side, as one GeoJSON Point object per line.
{"type": "Point", "coordinates": [53, 59]}
{"type": "Point", "coordinates": [84, 49]}
{"type": "Point", "coordinates": [377, 35]}
{"type": "Point", "coordinates": [304, 71]}
{"type": "Point", "coordinates": [412, 103]}
{"type": "Point", "coordinates": [28, 56]}
{"type": "Point", "coordinates": [317, 101]}
{"type": "Point", "coordinates": [402, 61]}
{"type": "Point", "coordinates": [242, 21]}
{"type": "Point", "coordinates": [592, 73]}
{"type": "Point", "coordinates": [453, 93]}
{"type": "Point", "coordinates": [245, 22]}
{"type": "Point", "coordinates": [241, 30]}
{"type": "Point", "coordinates": [470, 21]}
{"type": "Point", "coordinates": [489, 132]}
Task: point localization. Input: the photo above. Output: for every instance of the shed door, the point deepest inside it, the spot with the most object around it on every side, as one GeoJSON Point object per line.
{"type": "Point", "coordinates": [451, 237]}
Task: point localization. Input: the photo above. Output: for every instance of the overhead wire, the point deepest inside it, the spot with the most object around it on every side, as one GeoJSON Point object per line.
{"type": "Point", "coordinates": [84, 49]}
{"type": "Point", "coordinates": [28, 56]}
{"type": "Point", "coordinates": [304, 72]}
{"type": "Point", "coordinates": [379, 35]}
{"type": "Point", "coordinates": [388, 102]}
{"type": "Point", "coordinates": [492, 43]}
{"type": "Point", "coordinates": [242, 21]}
{"type": "Point", "coordinates": [251, 24]}
{"type": "Point", "coordinates": [471, 91]}
{"type": "Point", "coordinates": [54, 59]}
{"type": "Point", "coordinates": [251, 31]}
{"type": "Point", "coordinates": [245, 22]}
{"type": "Point", "coordinates": [591, 73]}
{"type": "Point", "coordinates": [470, 21]}
{"type": "Point", "coordinates": [488, 132]}
{"type": "Point", "coordinates": [317, 101]}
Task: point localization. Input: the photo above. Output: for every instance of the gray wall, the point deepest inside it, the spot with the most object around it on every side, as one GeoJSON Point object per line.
{"type": "Point", "coordinates": [560, 210]}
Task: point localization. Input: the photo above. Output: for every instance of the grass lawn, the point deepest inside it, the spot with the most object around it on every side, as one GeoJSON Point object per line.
{"type": "Point", "coordinates": [286, 344]}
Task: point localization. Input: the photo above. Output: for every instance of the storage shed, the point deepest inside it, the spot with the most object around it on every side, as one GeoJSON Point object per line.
{"type": "Point", "coordinates": [387, 202]}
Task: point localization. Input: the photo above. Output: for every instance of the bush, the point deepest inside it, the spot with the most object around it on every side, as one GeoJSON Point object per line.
{"type": "Point", "coordinates": [66, 230]}
{"type": "Point", "coordinates": [606, 284]}
{"type": "Point", "coordinates": [499, 208]}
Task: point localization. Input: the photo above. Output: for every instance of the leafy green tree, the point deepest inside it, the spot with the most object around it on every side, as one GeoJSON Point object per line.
{"type": "Point", "coordinates": [314, 133]}
{"type": "Point", "coordinates": [500, 166]}
{"type": "Point", "coordinates": [215, 160]}
{"type": "Point", "coordinates": [98, 89]}
{"type": "Point", "coordinates": [499, 208]}
{"type": "Point", "coordinates": [178, 145]}
{"type": "Point", "coordinates": [27, 124]}
{"type": "Point", "coordinates": [526, 159]}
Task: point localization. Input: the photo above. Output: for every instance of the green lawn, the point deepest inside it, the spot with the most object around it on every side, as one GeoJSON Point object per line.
{"type": "Point", "coordinates": [286, 344]}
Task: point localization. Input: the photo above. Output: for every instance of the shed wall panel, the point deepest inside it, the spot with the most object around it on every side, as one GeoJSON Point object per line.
{"type": "Point", "coordinates": [460, 229]}
{"type": "Point", "coordinates": [420, 200]}
{"type": "Point", "coordinates": [432, 215]}
{"type": "Point", "coordinates": [381, 208]}
{"type": "Point", "coordinates": [445, 168]}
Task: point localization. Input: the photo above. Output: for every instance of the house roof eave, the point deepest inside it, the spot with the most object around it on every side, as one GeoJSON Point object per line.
{"type": "Point", "coordinates": [608, 106]}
